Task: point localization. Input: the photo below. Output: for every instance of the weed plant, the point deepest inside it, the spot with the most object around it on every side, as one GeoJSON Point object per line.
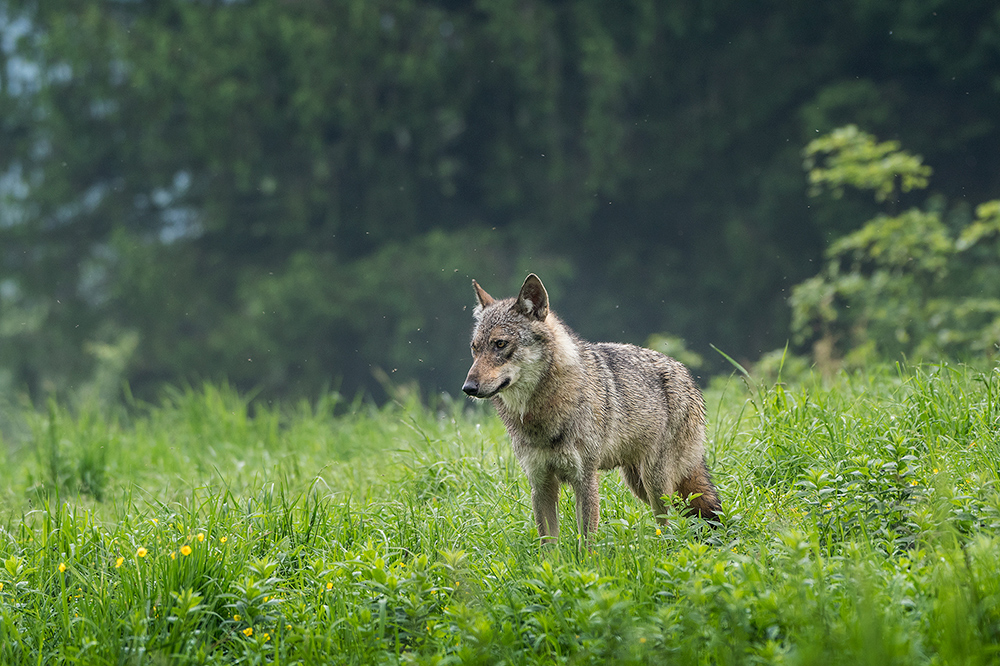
{"type": "Point", "coordinates": [860, 527]}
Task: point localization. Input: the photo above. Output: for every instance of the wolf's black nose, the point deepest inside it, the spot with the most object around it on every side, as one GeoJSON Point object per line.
{"type": "Point", "coordinates": [471, 387]}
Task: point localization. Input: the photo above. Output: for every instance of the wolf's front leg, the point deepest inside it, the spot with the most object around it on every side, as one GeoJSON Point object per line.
{"type": "Point", "coordinates": [545, 503]}
{"type": "Point", "coordinates": [588, 503]}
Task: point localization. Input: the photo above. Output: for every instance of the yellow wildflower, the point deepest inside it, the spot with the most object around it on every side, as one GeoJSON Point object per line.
{"type": "Point", "coordinates": [236, 617]}
{"type": "Point", "coordinates": [141, 552]}
{"type": "Point", "coordinates": [267, 637]}
{"type": "Point", "coordinates": [119, 562]}
{"type": "Point", "coordinates": [248, 632]}
{"type": "Point", "coordinates": [185, 550]}
{"type": "Point", "coordinates": [1, 587]}
{"type": "Point", "coordinates": [658, 532]}
{"type": "Point", "coordinates": [329, 585]}
{"type": "Point", "coordinates": [173, 554]}
{"type": "Point", "coordinates": [62, 567]}
{"type": "Point", "coordinates": [223, 539]}
{"type": "Point", "coordinates": [201, 536]}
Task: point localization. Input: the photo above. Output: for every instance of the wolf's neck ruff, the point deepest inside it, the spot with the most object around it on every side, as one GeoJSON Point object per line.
{"type": "Point", "coordinates": [546, 365]}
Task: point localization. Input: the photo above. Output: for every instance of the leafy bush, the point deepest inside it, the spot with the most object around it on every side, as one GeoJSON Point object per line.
{"type": "Point", "coordinates": [923, 284]}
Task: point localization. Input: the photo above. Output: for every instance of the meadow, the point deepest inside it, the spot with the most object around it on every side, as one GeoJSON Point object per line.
{"type": "Point", "coordinates": [861, 527]}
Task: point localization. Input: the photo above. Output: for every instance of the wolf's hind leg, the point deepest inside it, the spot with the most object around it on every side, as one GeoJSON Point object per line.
{"type": "Point", "coordinates": [631, 475]}
{"type": "Point", "coordinates": [657, 485]}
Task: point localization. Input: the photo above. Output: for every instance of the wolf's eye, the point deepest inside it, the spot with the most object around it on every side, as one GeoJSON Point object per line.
{"type": "Point", "coordinates": [500, 344]}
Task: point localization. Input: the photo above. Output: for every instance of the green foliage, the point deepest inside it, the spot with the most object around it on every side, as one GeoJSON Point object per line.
{"type": "Point", "coordinates": [986, 225]}
{"type": "Point", "coordinates": [914, 284]}
{"type": "Point", "coordinates": [848, 156]}
{"type": "Point", "coordinates": [267, 192]}
{"type": "Point", "coordinates": [781, 365]}
{"type": "Point", "coordinates": [860, 527]}
{"type": "Point", "coordinates": [676, 348]}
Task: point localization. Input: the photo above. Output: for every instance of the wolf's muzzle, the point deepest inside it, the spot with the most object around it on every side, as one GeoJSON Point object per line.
{"type": "Point", "coordinates": [473, 388]}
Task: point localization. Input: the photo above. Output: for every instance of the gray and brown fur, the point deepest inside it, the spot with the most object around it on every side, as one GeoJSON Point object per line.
{"type": "Point", "coordinates": [573, 408]}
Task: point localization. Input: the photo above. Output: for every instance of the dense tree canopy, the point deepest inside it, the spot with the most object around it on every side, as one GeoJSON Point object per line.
{"type": "Point", "coordinates": [295, 194]}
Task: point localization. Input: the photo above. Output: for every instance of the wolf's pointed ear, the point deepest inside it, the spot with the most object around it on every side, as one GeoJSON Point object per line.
{"type": "Point", "coordinates": [484, 299]}
{"type": "Point", "coordinates": [533, 300]}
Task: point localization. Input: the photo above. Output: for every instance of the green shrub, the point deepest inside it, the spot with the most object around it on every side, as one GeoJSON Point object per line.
{"type": "Point", "coordinates": [921, 284]}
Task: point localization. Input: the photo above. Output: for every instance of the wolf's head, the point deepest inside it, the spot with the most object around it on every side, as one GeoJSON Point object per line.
{"type": "Point", "coordinates": [509, 344]}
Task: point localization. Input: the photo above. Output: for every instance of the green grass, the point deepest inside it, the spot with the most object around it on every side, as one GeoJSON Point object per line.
{"type": "Point", "coordinates": [861, 527]}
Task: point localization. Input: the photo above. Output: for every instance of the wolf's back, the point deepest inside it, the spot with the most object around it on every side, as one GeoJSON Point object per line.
{"type": "Point", "coordinates": [642, 400]}
{"type": "Point", "coordinates": [646, 380]}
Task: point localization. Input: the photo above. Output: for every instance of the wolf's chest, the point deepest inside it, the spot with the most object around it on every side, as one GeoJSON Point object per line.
{"type": "Point", "coordinates": [540, 462]}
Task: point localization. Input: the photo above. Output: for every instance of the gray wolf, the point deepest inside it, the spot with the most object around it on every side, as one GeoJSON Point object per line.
{"type": "Point", "coordinates": [573, 408]}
